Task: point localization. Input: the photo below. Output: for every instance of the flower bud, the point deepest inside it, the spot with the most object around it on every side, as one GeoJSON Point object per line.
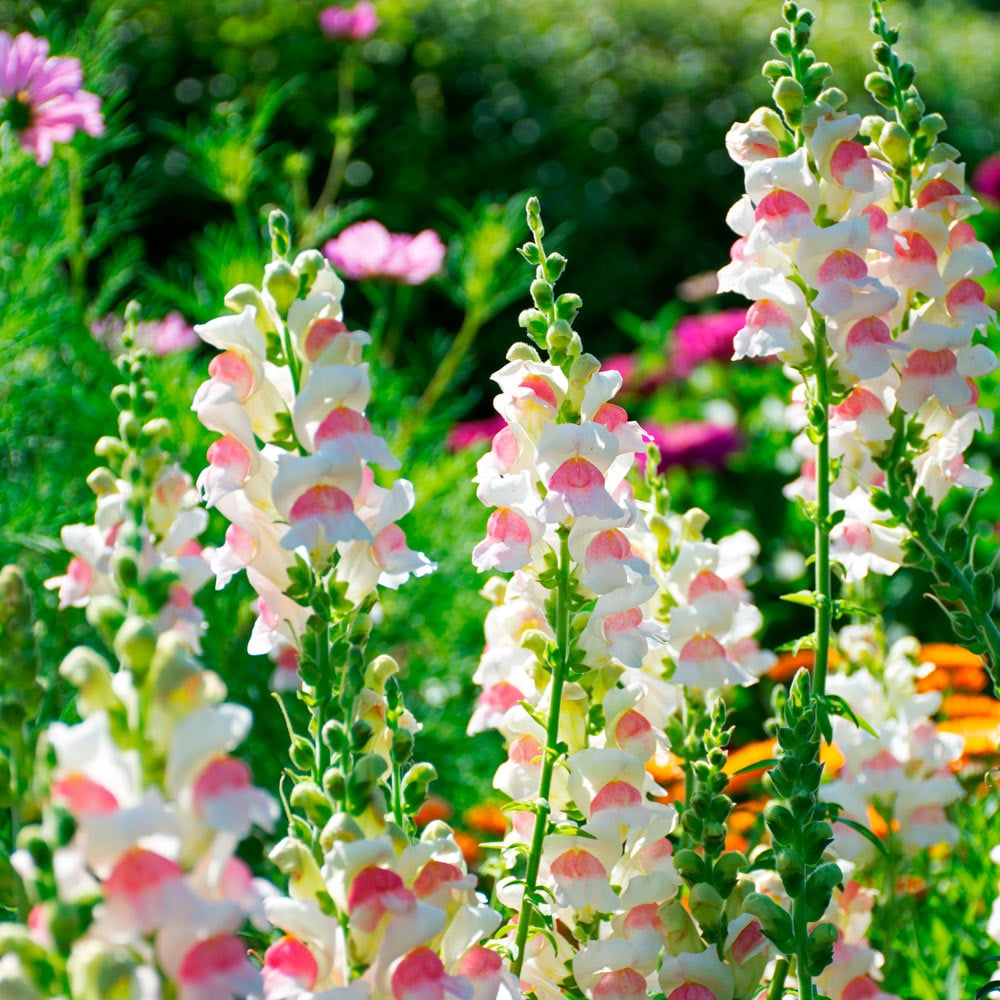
{"type": "Point", "coordinates": [135, 644]}
{"type": "Point", "coordinates": [689, 865]}
{"type": "Point", "coordinates": [521, 351]}
{"type": "Point", "coordinates": [706, 905]}
{"type": "Point", "coordinates": [340, 828]}
{"type": "Point", "coordinates": [280, 233]}
{"type": "Point", "coordinates": [302, 753]}
{"type": "Point", "coordinates": [560, 337]}
{"type": "Point", "coordinates": [309, 798]}
{"type": "Point", "coordinates": [775, 922]}
{"type": "Point", "coordinates": [788, 863]}
{"type": "Point", "coordinates": [781, 39]}
{"type": "Point", "coordinates": [416, 783]}
{"type": "Point", "coordinates": [307, 265]}
{"type": "Point", "coordinates": [102, 482]}
{"type": "Point", "coordinates": [90, 674]}
{"type": "Point", "coordinates": [379, 671]}
{"type": "Point", "coordinates": [681, 933]}
{"type": "Point", "coordinates": [293, 858]}
{"type": "Point", "coordinates": [282, 283]}
{"type": "Point", "coordinates": [402, 745]}
{"type": "Point", "coordinates": [820, 947]}
{"type": "Point", "coordinates": [880, 87]}
{"type": "Point", "coordinates": [334, 783]}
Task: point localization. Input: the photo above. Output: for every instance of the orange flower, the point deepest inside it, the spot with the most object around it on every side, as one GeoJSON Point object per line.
{"type": "Point", "coordinates": [469, 847]}
{"type": "Point", "coordinates": [956, 669]}
{"type": "Point", "coordinates": [434, 807]}
{"type": "Point", "coordinates": [742, 757]}
{"type": "Point", "coordinates": [741, 824]}
{"type": "Point", "coordinates": [788, 663]}
{"type": "Point", "coordinates": [960, 706]}
{"type": "Point", "coordinates": [486, 818]}
{"type": "Point", "coordinates": [981, 732]}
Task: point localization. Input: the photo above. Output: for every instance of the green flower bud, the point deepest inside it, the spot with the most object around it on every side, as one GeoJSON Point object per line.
{"type": "Point", "coordinates": [124, 568]}
{"type": "Point", "coordinates": [820, 947]}
{"type": "Point", "coordinates": [308, 797]}
{"type": "Point", "coordinates": [895, 144]}
{"type": "Point", "coordinates": [781, 39]}
{"type": "Point", "coordinates": [379, 671]}
{"type": "Point", "coordinates": [282, 283]}
{"type": "Point", "coordinates": [402, 745]}
{"type": "Point", "coordinates": [361, 734]}
{"type": "Point", "coordinates": [415, 784]}
{"type": "Point", "coordinates": [302, 753]}
{"type": "Point", "coordinates": [789, 97]}
{"type": "Point", "coordinates": [727, 870]}
{"type": "Point", "coordinates": [775, 69]}
{"type": "Point", "coordinates": [880, 87]}
{"type": "Point", "coordinates": [816, 838]}
{"type": "Point", "coordinates": [559, 337]}
{"type": "Point", "coordinates": [135, 644]}
{"type": "Point", "coordinates": [340, 827]}
{"type": "Point", "coordinates": [280, 233]}
{"type": "Point", "coordinates": [308, 264]}
{"type": "Point", "coordinates": [521, 351]}
{"type": "Point", "coordinates": [780, 822]}
{"type": "Point", "coordinates": [681, 932]}
{"type": "Point", "coordinates": [363, 781]}
{"type": "Point", "coordinates": [775, 922]}
{"type": "Point", "coordinates": [568, 305]}
{"type": "Point", "coordinates": [789, 866]}
{"type": "Point", "coordinates": [541, 295]}
{"type": "Point", "coordinates": [334, 783]}
{"type": "Point", "coordinates": [706, 906]}
{"type": "Point", "coordinates": [819, 888]}
{"type": "Point", "coordinates": [90, 674]}
{"type": "Point", "coordinates": [689, 865]}
{"type": "Point", "coordinates": [833, 96]}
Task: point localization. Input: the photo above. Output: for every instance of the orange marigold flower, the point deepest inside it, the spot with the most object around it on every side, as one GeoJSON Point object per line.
{"type": "Point", "coordinates": [487, 818]}
{"type": "Point", "coordinates": [433, 808]}
{"type": "Point", "coordinates": [788, 663]}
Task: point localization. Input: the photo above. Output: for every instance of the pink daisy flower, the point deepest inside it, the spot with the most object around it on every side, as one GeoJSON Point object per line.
{"type": "Point", "coordinates": [41, 96]}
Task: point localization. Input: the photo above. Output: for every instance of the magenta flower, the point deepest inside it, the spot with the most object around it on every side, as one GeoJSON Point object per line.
{"type": "Point", "coordinates": [41, 96]}
{"type": "Point", "coordinates": [708, 337]}
{"type": "Point", "coordinates": [367, 251]}
{"type": "Point", "coordinates": [353, 24]}
{"type": "Point", "coordinates": [471, 432]}
{"type": "Point", "coordinates": [692, 443]}
{"type": "Point", "coordinates": [986, 179]}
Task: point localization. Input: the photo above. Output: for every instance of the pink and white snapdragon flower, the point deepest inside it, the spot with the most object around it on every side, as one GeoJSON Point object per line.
{"type": "Point", "coordinates": [353, 24]}
{"type": "Point", "coordinates": [42, 96]}
{"type": "Point", "coordinates": [314, 491]}
{"type": "Point", "coordinates": [895, 285]}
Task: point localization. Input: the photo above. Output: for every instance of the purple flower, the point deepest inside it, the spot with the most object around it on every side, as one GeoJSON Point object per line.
{"type": "Point", "coordinates": [41, 96]}
{"type": "Point", "coordinates": [707, 337]}
{"type": "Point", "coordinates": [353, 24]}
{"type": "Point", "coordinates": [367, 251]}
{"type": "Point", "coordinates": [986, 179]}
{"type": "Point", "coordinates": [469, 432]}
{"type": "Point", "coordinates": [692, 443]}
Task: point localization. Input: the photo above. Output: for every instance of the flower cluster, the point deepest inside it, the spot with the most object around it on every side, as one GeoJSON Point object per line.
{"type": "Point", "coordinates": [578, 670]}
{"type": "Point", "coordinates": [854, 245]}
{"type": "Point", "coordinates": [131, 876]}
{"type": "Point", "coordinates": [294, 467]}
{"type": "Point", "coordinates": [42, 96]}
{"type": "Point", "coordinates": [353, 24]}
{"type": "Point", "coordinates": [371, 911]}
{"type": "Point", "coordinates": [900, 781]}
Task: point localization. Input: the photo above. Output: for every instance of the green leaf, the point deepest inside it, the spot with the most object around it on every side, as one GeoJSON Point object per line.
{"type": "Point", "coordinates": [864, 831]}
{"type": "Point", "coordinates": [808, 598]}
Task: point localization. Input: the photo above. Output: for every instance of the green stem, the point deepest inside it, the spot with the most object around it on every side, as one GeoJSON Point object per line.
{"type": "Point", "coordinates": [343, 146]}
{"type": "Point", "coordinates": [77, 256]}
{"type": "Point", "coordinates": [801, 925]}
{"type": "Point", "coordinates": [397, 792]}
{"type": "Point", "coordinates": [824, 582]}
{"type": "Point", "coordinates": [550, 753]}
{"type": "Point", "coordinates": [777, 988]}
{"type": "Point", "coordinates": [443, 377]}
